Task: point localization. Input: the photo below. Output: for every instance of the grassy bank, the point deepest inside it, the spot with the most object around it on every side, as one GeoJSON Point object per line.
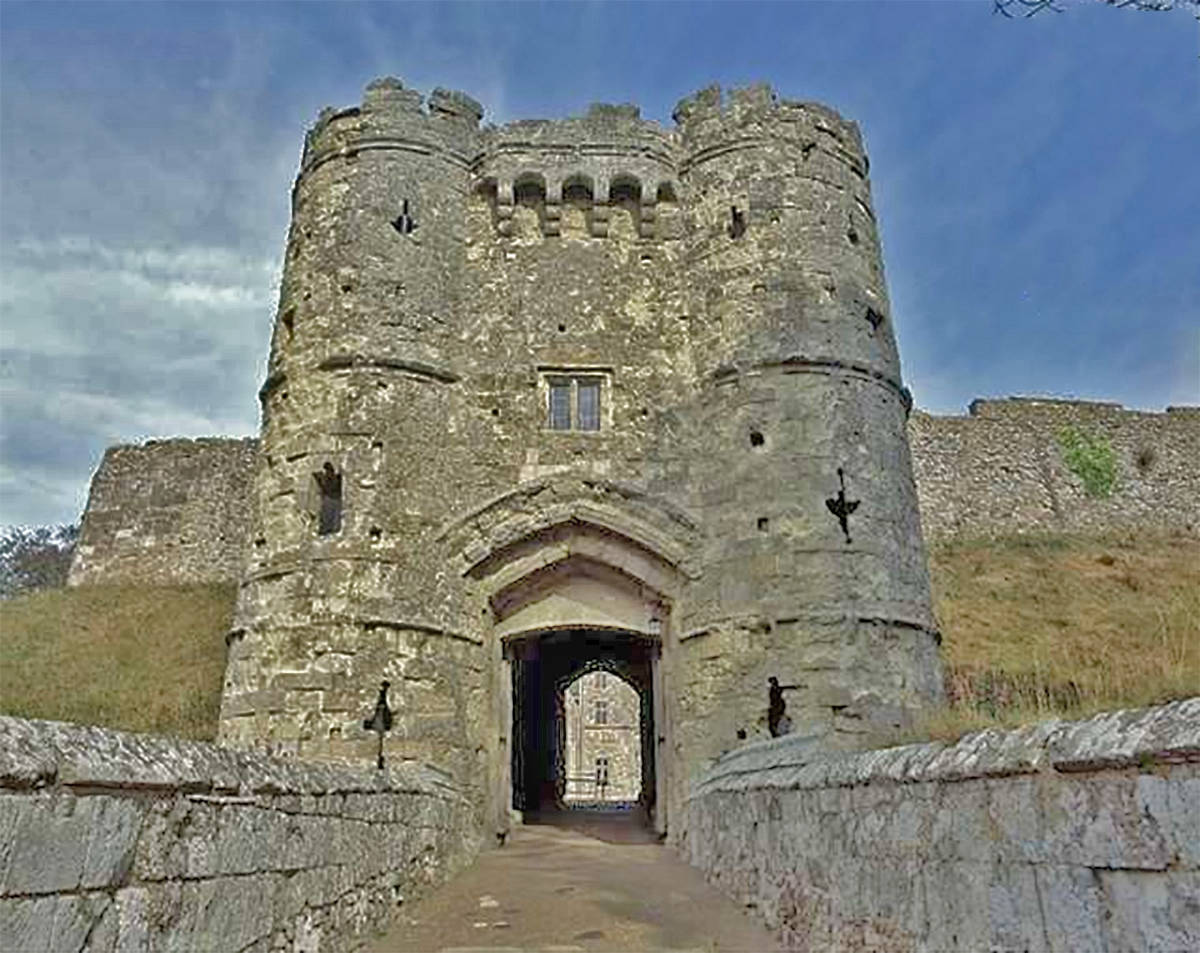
{"type": "Point", "coordinates": [147, 659]}
{"type": "Point", "coordinates": [1033, 627]}
{"type": "Point", "coordinates": [1036, 627]}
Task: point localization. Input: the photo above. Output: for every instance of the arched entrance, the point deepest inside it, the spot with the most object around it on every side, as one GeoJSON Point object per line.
{"type": "Point", "coordinates": [602, 758]}
{"type": "Point", "coordinates": [561, 618]}
{"type": "Point", "coordinates": [544, 664]}
{"type": "Point", "coordinates": [575, 576]}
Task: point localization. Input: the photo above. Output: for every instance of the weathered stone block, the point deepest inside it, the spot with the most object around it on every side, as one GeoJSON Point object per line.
{"type": "Point", "coordinates": [50, 845]}
{"type": "Point", "coordinates": [1151, 911]}
{"type": "Point", "coordinates": [112, 841]}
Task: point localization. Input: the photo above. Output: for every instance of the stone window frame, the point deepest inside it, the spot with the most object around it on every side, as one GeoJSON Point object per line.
{"type": "Point", "coordinates": [574, 374]}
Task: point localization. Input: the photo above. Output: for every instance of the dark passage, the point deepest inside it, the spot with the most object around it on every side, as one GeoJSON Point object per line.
{"type": "Point", "coordinates": [543, 666]}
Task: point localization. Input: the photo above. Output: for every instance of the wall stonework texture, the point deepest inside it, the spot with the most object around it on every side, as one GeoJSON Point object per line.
{"type": "Point", "coordinates": [1061, 836]}
{"type": "Point", "coordinates": [996, 471]}
{"type": "Point", "coordinates": [112, 841]}
{"type": "Point", "coordinates": [167, 512]}
{"type": "Point", "coordinates": [562, 392]}
{"type": "Point", "coordinates": [1001, 470]}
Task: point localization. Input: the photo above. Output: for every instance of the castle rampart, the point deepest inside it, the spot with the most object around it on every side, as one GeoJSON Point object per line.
{"type": "Point", "coordinates": [570, 393]}
{"type": "Point", "coordinates": [1003, 469]}
{"type": "Point", "coordinates": [988, 472]}
{"type": "Point", "coordinates": [167, 512]}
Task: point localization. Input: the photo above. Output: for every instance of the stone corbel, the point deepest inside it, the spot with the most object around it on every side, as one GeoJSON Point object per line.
{"type": "Point", "coordinates": [600, 209]}
{"type": "Point", "coordinates": [649, 210]}
{"type": "Point", "coordinates": [552, 223]}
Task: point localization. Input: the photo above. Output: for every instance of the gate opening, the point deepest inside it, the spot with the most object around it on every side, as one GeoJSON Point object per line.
{"type": "Point", "coordinates": [603, 756]}
{"type": "Point", "coordinates": [583, 723]}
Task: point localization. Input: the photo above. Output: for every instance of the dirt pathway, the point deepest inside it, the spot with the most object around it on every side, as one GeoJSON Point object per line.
{"type": "Point", "coordinates": [584, 884]}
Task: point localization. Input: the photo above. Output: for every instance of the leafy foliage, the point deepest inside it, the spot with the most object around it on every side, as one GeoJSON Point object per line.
{"type": "Point", "coordinates": [35, 557]}
{"type": "Point", "coordinates": [1091, 458]}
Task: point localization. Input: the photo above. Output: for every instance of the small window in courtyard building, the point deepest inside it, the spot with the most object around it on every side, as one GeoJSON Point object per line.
{"type": "Point", "coordinates": [599, 711]}
{"type": "Point", "coordinates": [574, 402]}
{"type": "Point", "coordinates": [329, 515]}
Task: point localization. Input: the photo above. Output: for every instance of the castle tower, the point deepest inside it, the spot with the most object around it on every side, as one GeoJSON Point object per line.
{"type": "Point", "coordinates": [572, 395]}
{"type": "Point", "coordinates": [797, 378]}
{"type": "Point", "coordinates": [354, 458]}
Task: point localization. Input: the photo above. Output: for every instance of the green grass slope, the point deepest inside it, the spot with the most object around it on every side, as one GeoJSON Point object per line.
{"type": "Point", "coordinates": [141, 659]}
{"type": "Point", "coordinates": [1033, 627]}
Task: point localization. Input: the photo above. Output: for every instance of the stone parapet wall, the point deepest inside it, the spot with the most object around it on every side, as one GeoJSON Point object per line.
{"type": "Point", "coordinates": [114, 841]}
{"type": "Point", "coordinates": [1002, 470]}
{"type": "Point", "coordinates": [1060, 836]}
{"type": "Point", "coordinates": [167, 511]}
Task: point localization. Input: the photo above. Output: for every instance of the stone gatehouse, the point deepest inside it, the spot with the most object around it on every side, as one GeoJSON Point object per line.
{"type": "Point", "coordinates": [579, 393]}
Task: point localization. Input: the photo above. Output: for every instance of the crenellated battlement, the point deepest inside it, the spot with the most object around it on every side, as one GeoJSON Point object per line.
{"type": "Point", "coordinates": [609, 158]}
{"type": "Point", "coordinates": [394, 116]}
{"type": "Point", "coordinates": [712, 121]}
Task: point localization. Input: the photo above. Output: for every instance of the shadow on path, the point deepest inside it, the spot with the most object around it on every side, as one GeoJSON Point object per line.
{"type": "Point", "coordinates": [611, 825]}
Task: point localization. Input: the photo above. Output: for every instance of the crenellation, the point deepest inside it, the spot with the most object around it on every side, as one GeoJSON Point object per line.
{"type": "Point", "coordinates": [592, 391]}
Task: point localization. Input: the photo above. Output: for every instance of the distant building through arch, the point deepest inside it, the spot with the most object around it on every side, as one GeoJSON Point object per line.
{"type": "Point", "coordinates": [603, 759]}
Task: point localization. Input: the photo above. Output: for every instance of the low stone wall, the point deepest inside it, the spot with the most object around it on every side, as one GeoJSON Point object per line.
{"type": "Point", "coordinates": [1062, 836]}
{"type": "Point", "coordinates": [112, 841]}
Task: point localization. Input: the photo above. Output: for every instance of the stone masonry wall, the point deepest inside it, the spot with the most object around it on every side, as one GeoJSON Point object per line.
{"type": "Point", "coordinates": [1061, 836]}
{"type": "Point", "coordinates": [176, 510]}
{"type": "Point", "coordinates": [167, 511]}
{"type": "Point", "coordinates": [1001, 470]}
{"type": "Point", "coordinates": [112, 841]}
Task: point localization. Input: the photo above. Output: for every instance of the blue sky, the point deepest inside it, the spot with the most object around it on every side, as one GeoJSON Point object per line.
{"type": "Point", "coordinates": [1037, 183]}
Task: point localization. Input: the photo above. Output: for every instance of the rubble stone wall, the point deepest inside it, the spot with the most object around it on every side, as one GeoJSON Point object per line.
{"type": "Point", "coordinates": [167, 511]}
{"type": "Point", "coordinates": [1003, 469]}
{"type": "Point", "coordinates": [176, 510]}
{"type": "Point", "coordinates": [115, 841]}
{"type": "Point", "coordinates": [1061, 836]}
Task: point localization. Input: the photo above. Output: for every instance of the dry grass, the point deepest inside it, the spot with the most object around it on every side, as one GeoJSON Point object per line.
{"type": "Point", "coordinates": [1040, 627]}
{"type": "Point", "coordinates": [1034, 627]}
{"type": "Point", "coordinates": [141, 659]}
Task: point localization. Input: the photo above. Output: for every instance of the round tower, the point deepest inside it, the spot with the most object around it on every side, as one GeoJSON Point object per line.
{"type": "Point", "coordinates": [814, 570]}
{"type": "Point", "coordinates": [353, 460]}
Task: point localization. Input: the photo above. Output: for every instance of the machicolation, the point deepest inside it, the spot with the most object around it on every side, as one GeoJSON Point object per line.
{"type": "Point", "coordinates": [592, 394]}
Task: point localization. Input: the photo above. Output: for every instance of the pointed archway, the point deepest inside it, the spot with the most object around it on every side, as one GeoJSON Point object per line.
{"type": "Point", "coordinates": [563, 600]}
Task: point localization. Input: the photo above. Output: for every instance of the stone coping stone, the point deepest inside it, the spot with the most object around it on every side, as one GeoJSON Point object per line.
{"type": "Point", "coordinates": [1167, 733]}
{"type": "Point", "coordinates": [36, 753]}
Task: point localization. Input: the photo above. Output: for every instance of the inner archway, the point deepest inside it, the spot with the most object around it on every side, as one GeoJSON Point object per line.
{"type": "Point", "coordinates": [546, 774]}
{"type": "Point", "coordinates": [603, 751]}
{"type": "Point", "coordinates": [575, 596]}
